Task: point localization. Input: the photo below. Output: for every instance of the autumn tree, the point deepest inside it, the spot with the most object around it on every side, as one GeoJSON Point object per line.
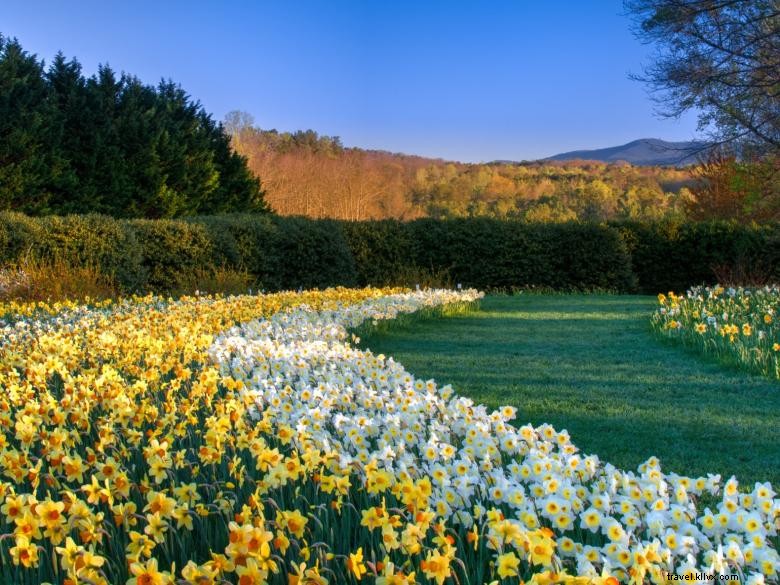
{"type": "Point", "coordinates": [305, 173]}
{"type": "Point", "coordinates": [732, 189]}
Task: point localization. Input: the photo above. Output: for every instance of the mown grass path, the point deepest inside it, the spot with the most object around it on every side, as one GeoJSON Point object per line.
{"type": "Point", "coordinates": [589, 364]}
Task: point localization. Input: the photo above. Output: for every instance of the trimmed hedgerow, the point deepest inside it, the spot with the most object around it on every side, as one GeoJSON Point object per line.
{"type": "Point", "coordinates": [669, 256]}
{"type": "Point", "coordinates": [292, 252]}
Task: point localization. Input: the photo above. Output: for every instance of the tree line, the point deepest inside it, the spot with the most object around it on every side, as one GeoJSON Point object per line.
{"type": "Point", "coordinates": [111, 144]}
{"type": "Point", "coordinates": [305, 173]}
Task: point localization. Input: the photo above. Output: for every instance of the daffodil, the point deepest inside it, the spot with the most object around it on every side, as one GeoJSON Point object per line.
{"type": "Point", "coordinates": [507, 565]}
{"type": "Point", "coordinates": [24, 552]}
{"type": "Point", "coordinates": [436, 566]}
{"type": "Point", "coordinates": [148, 574]}
{"type": "Point", "coordinates": [355, 564]}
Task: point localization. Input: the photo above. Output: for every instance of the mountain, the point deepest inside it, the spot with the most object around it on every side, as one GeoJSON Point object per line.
{"type": "Point", "coordinates": [646, 151]}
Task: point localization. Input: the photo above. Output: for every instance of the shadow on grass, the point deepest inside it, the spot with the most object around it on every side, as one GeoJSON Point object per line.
{"type": "Point", "coordinates": [590, 364]}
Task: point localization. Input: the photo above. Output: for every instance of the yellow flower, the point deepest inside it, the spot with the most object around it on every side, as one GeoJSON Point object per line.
{"type": "Point", "coordinates": [183, 518]}
{"type": "Point", "coordinates": [139, 545]}
{"type": "Point", "coordinates": [304, 576]}
{"type": "Point", "coordinates": [472, 536]}
{"type": "Point", "coordinates": [293, 521]}
{"type": "Point", "coordinates": [541, 549]}
{"type": "Point", "coordinates": [507, 565]}
{"type": "Point", "coordinates": [436, 566]}
{"type": "Point", "coordinates": [378, 481]}
{"type": "Point", "coordinates": [97, 492]}
{"type": "Point", "coordinates": [220, 564]}
{"type": "Point", "coordinates": [70, 554]}
{"type": "Point", "coordinates": [251, 573]}
{"type": "Point", "coordinates": [199, 574]}
{"type": "Point", "coordinates": [156, 527]}
{"type": "Point", "coordinates": [281, 542]}
{"type": "Point", "coordinates": [24, 552]}
{"type": "Point", "coordinates": [27, 525]}
{"type": "Point", "coordinates": [148, 574]}
{"type": "Point", "coordinates": [355, 564]}
{"type": "Point", "coordinates": [373, 517]}
{"type": "Point", "coordinates": [50, 513]}
{"type": "Point", "coordinates": [158, 502]}
{"type": "Point", "coordinates": [13, 508]}
{"type": "Point", "coordinates": [390, 576]}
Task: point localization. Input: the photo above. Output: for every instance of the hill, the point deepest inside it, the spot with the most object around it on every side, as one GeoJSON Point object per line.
{"type": "Point", "coordinates": [304, 173]}
{"type": "Point", "coordinates": [642, 152]}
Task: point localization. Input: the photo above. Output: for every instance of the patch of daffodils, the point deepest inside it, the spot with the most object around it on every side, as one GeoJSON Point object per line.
{"type": "Point", "coordinates": [248, 440]}
{"type": "Point", "coordinates": [735, 325]}
{"type": "Point", "coordinates": [480, 473]}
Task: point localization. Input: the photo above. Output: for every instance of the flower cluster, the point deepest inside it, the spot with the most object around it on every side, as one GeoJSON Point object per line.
{"type": "Point", "coordinates": [480, 475]}
{"type": "Point", "coordinates": [247, 440]}
{"type": "Point", "coordinates": [736, 325]}
{"type": "Point", "coordinates": [101, 417]}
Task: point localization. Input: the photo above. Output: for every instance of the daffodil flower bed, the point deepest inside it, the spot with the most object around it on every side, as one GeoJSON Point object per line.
{"type": "Point", "coordinates": [247, 440]}
{"type": "Point", "coordinates": [737, 326]}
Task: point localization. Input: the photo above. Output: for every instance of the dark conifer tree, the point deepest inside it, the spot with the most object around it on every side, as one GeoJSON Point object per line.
{"type": "Point", "coordinates": [111, 145]}
{"type": "Point", "coordinates": [27, 131]}
{"type": "Point", "coordinates": [68, 139]}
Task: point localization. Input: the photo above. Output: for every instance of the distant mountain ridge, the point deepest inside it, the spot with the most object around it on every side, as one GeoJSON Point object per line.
{"type": "Point", "coordinates": [645, 151]}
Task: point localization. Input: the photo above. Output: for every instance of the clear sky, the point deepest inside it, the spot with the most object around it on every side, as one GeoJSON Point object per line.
{"type": "Point", "coordinates": [470, 81]}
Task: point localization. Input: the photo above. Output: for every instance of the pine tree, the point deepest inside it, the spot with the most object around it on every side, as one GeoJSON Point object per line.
{"type": "Point", "coordinates": [69, 141]}
{"type": "Point", "coordinates": [238, 190]}
{"type": "Point", "coordinates": [27, 161]}
{"type": "Point", "coordinates": [111, 145]}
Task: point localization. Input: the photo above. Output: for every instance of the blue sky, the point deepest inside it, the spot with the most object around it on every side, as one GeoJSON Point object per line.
{"type": "Point", "coordinates": [470, 81]}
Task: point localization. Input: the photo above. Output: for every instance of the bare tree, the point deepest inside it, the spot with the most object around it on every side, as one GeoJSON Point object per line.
{"type": "Point", "coordinates": [719, 57]}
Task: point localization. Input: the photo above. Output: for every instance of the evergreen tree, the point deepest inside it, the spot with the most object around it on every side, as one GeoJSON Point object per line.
{"type": "Point", "coordinates": [111, 145]}
{"type": "Point", "coordinates": [27, 161]}
{"type": "Point", "coordinates": [105, 186]}
{"type": "Point", "coordinates": [238, 188]}
{"type": "Point", "coordinates": [68, 141]}
{"type": "Point", "coordinates": [189, 173]}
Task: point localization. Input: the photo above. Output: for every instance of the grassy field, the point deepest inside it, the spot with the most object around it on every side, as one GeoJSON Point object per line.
{"type": "Point", "coordinates": [589, 363]}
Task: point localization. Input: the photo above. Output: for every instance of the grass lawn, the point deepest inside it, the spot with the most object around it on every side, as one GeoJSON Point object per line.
{"type": "Point", "coordinates": [589, 364]}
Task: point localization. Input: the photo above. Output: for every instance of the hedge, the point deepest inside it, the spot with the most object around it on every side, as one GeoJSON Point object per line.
{"type": "Point", "coordinates": [670, 256]}
{"type": "Point", "coordinates": [289, 253]}
{"type": "Point", "coordinates": [283, 253]}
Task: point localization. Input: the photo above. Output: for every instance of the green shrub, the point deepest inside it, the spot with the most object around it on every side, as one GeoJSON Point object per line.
{"type": "Point", "coordinates": [309, 254]}
{"type": "Point", "coordinates": [171, 251]}
{"type": "Point", "coordinates": [20, 236]}
{"type": "Point", "coordinates": [278, 253]}
{"type": "Point", "coordinates": [383, 252]}
{"type": "Point", "coordinates": [282, 253]}
{"type": "Point", "coordinates": [673, 256]}
{"type": "Point", "coordinates": [241, 242]}
{"type": "Point", "coordinates": [99, 241]}
{"type": "Point", "coordinates": [497, 254]}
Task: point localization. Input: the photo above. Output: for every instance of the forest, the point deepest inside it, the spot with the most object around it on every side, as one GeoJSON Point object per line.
{"type": "Point", "coordinates": [111, 144]}
{"type": "Point", "coordinates": [307, 174]}
{"type": "Point", "coordinates": [317, 176]}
